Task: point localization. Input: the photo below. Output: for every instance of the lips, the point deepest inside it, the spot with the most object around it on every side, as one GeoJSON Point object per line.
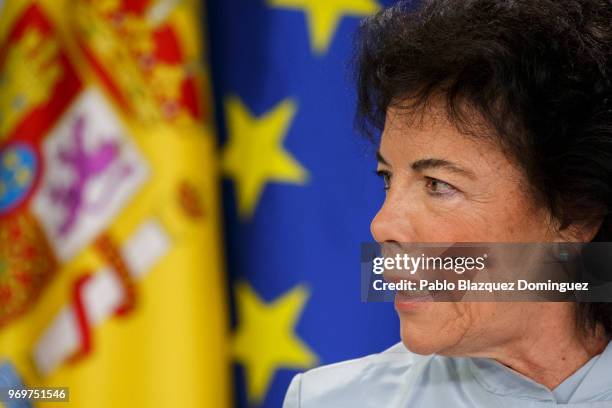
{"type": "Point", "coordinates": [416, 295]}
{"type": "Point", "coordinates": [409, 300]}
{"type": "Point", "coordinates": [409, 303]}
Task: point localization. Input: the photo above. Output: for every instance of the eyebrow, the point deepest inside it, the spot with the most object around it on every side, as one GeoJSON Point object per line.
{"type": "Point", "coordinates": [432, 163]}
{"type": "Point", "coordinates": [381, 159]}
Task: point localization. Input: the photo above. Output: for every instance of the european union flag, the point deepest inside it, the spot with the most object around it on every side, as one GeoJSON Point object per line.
{"type": "Point", "coordinates": [300, 189]}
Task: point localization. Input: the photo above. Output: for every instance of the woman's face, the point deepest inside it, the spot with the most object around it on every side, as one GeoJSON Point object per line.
{"type": "Point", "coordinates": [444, 186]}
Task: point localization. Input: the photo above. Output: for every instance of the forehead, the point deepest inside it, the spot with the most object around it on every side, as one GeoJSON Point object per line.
{"type": "Point", "coordinates": [429, 133]}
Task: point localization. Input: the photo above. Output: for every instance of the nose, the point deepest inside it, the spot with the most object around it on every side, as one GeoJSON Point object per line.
{"type": "Point", "coordinates": [392, 223]}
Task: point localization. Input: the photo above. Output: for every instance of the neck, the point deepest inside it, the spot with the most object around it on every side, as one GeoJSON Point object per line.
{"type": "Point", "coordinates": [550, 358]}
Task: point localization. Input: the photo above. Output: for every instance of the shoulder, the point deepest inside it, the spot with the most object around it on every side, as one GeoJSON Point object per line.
{"type": "Point", "coordinates": [372, 377]}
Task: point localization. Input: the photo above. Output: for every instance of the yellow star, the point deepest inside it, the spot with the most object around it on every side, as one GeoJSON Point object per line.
{"type": "Point", "coordinates": [323, 16]}
{"type": "Point", "coordinates": [265, 339]}
{"type": "Point", "coordinates": [254, 154]}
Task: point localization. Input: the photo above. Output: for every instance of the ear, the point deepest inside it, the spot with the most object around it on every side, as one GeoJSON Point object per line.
{"type": "Point", "coordinates": [579, 232]}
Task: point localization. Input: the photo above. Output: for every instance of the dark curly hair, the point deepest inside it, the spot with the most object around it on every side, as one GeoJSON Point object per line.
{"type": "Point", "coordinates": [539, 72]}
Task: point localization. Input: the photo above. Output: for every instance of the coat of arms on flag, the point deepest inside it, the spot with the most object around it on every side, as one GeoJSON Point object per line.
{"type": "Point", "coordinates": [26, 264]}
{"type": "Point", "coordinates": [92, 169]}
{"type": "Point", "coordinates": [37, 77]}
{"type": "Point", "coordinates": [38, 83]}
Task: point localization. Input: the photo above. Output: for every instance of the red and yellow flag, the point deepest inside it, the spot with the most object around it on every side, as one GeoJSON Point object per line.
{"type": "Point", "coordinates": [110, 262]}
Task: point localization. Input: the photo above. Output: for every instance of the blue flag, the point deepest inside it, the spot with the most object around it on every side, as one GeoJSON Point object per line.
{"type": "Point", "coordinates": [299, 189]}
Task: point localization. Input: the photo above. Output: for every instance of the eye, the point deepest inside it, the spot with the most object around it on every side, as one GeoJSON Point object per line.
{"type": "Point", "coordinates": [436, 187]}
{"type": "Point", "coordinates": [386, 176]}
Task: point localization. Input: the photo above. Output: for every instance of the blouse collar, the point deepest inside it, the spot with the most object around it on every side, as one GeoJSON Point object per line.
{"type": "Point", "coordinates": [501, 380]}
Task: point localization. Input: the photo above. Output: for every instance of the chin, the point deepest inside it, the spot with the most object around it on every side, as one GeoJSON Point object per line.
{"type": "Point", "coordinates": [419, 344]}
{"type": "Point", "coordinates": [425, 337]}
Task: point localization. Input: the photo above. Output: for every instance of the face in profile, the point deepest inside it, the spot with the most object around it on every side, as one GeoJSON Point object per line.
{"type": "Point", "coordinates": [446, 186]}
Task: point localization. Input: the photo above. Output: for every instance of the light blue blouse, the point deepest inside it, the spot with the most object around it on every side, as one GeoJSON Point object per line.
{"type": "Point", "coordinates": [399, 378]}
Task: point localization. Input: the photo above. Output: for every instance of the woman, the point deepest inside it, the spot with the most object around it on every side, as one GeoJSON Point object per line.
{"type": "Point", "coordinates": [497, 127]}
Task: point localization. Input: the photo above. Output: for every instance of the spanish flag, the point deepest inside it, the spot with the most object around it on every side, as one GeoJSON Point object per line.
{"type": "Point", "coordinates": [111, 279]}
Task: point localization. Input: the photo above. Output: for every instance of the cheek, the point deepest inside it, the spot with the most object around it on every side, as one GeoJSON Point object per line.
{"type": "Point", "coordinates": [506, 218]}
{"type": "Point", "coordinates": [454, 219]}
{"type": "Point", "coordinates": [461, 225]}
{"type": "Point", "coordinates": [517, 220]}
